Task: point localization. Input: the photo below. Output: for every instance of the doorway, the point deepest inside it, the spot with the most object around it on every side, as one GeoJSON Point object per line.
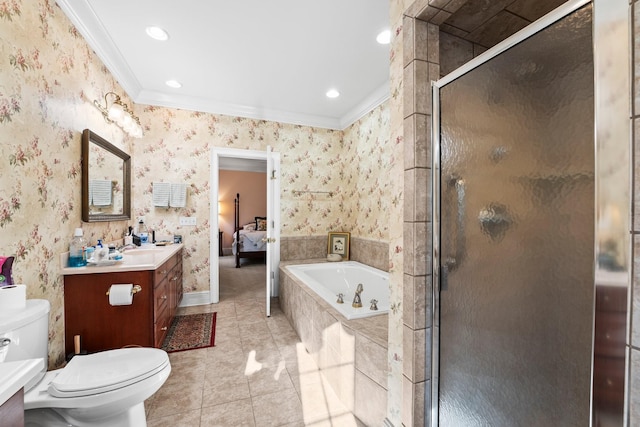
{"type": "Point", "coordinates": [247, 160]}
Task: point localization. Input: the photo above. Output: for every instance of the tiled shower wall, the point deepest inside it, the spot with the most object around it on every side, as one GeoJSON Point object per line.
{"type": "Point", "coordinates": [421, 59]}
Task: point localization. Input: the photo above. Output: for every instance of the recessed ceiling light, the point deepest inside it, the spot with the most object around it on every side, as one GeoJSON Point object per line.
{"type": "Point", "coordinates": [173, 83]}
{"type": "Point", "coordinates": [157, 33]}
{"type": "Point", "coordinates": [384, 37]}
{"type": "Point", "coordinates": [332, 93]}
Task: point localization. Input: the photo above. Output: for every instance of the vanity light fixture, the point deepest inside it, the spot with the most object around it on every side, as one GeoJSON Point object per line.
{"type": "Point", "coordinates": [332, 93]}
{"type": "Point", "coordinates": [384, 37]}
{"type": "Point", "coordinates": [157, 33]}
{"type": "Point", "coordinates": [119, 113]}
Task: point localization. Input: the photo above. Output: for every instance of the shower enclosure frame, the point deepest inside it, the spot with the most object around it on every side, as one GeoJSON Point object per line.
{"type": "Point", "coordinates": [607, 117]}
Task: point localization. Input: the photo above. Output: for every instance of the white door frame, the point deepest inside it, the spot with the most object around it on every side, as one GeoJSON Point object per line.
{"type": "Point", "coordinates": [216, 154]}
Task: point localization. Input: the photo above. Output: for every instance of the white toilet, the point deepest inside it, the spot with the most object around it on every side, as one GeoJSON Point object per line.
{"type": "Point", "coordinates": [101, 389]}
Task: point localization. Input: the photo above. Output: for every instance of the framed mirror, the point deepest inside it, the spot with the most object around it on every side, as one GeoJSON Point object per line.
{"type": "Point", "coordinates": [106, 180]}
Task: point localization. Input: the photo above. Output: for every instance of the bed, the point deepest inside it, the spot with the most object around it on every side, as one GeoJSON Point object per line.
{"type": "Point", "coordinates": [249, 240]}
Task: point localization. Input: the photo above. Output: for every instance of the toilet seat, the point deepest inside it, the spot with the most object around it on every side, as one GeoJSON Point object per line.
{"type": "Point", "coordinates": [106, 371]}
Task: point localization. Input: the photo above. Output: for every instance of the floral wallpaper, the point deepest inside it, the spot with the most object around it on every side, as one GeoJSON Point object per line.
{"type": "Point", "coordinates": [49, 78]}
{"type": "Point", "coordinates": [177, 147]}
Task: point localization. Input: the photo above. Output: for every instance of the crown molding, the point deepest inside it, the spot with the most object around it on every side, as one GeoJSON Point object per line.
{"type": "Point", "coordinates": [376, 98]}
{"type": "Point", "coordinates": [200, 104]}
{"type": "Point", "coordinates": [84, 18]}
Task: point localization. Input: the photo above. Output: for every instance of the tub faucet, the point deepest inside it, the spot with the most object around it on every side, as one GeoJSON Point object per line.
{"type": "Point", "coordinates": [374, 304]}
{"type": "Point", "coordinates": [340, 300]}
{"type": "Point", "coordinates": [357, 302]}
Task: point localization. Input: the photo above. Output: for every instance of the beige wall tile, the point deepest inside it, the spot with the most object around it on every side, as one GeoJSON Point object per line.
{"type": "Point", "coordinates": [413, 401]}
{"type": "Point", "coordinates": [416, 302]}
{"type": "Point", "coordinates": [371, 360]}
{"type": "Point", "coordinates": [414, 354]}
{"type": "Point", "coordinates": [634, 389]}
{"type": "Point", "coordinates": [408, 40]}
{"type": "Point", "coordinates": [371, 401]}
{"type": "Point", "coordinates": [410, 194]}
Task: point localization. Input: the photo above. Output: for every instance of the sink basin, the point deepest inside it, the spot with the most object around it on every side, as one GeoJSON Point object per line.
{"type": "Point", "coordinates": [143, 251]}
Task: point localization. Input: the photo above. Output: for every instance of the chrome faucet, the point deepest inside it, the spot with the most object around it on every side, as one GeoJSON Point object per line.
{"type": "Point", "coordinates": [357, 302]}
{"type": "Point", "coordinates": [374, 304]}
{"type": "Point", "coordinates": [340, 300]}
{"type": "Point", "coordinates": [123, 248]}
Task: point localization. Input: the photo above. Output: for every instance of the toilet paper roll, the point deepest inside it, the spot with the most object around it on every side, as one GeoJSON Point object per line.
{"type": "Point", "coordinates": [121, 294]}
{"type": "Point", "coordinates": [13, 297]}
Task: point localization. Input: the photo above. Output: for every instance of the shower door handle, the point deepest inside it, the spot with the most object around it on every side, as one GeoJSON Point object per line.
{"type": "Point", "coordinates": [456, 256]}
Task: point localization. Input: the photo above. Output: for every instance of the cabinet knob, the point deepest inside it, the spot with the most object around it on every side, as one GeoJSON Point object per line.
{"type": "Point", "coordinates": [164, 328]}
{"type": "Point", "coordinates": [163, 272]}
{"type": "Point", "coordinates": [164, 297]}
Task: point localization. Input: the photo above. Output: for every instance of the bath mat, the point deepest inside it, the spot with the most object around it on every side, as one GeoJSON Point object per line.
{"type": "Point", "coordinates": [190, 332]}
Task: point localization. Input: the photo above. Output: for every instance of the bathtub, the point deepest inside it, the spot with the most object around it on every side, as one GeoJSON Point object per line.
{"type": "Point", "coordinates": [330, 279]}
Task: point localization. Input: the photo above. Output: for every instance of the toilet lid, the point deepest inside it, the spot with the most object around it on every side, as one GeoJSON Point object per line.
{"type": "Point", "coordinates": [107, 370]}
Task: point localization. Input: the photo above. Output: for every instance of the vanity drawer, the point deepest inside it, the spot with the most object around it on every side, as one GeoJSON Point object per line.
{"type": "Point", "coordinates": [161, 298]}
{"type": "Point", "coordinates": [161, 326]}
{"type": "Point", "coordinates": [162, 273]}
{"type": "Point", "coordinates": [610, 334]}
{"type": "Point", "coordinates": [608, 382]}
{"type": "Point", "coordinates": [165, 269]}
{"type": "Point", "coordinates": [611, 298]}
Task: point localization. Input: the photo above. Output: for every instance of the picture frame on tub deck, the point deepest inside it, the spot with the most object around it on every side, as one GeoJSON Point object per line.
{"type": "Point", "coordinates": [339, 243]}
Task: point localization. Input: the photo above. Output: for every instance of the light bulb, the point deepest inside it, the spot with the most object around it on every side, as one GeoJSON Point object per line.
{"type": "Point", "coordinates": [115, 112]}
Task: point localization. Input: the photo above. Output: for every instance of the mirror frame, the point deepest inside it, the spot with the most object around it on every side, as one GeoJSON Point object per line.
{"type": "Point", "coordinates": [89, 137]}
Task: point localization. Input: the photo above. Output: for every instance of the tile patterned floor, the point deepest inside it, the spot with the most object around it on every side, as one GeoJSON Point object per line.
{"type": "Point", "coordinates": [258, 373]}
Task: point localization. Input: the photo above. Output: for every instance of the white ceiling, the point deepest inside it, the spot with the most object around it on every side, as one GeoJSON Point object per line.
{"type": "Point", "coordinates": [271, 60]}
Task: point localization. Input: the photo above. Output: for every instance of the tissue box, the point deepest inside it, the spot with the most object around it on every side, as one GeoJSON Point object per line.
{"type": "Point", "coordinates": [6, 264]}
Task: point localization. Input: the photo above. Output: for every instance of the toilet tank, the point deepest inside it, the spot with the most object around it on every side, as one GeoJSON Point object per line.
{"type": "Point", "coordinates": [24, 334]}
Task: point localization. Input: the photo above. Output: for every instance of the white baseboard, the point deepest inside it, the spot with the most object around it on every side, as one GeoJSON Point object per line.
{"type": "Point", "coordinates": [195, 298]}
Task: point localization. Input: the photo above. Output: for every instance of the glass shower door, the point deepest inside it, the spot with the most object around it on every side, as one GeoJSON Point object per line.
{"type": "Point", "coordinates": [517, 234]}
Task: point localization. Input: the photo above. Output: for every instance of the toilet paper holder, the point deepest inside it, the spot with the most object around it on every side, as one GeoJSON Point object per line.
{"type": "Point", "coordinates": [134, 290]}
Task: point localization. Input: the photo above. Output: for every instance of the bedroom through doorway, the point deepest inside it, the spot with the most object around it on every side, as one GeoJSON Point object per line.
{"type": "Point", "coordinates": [245, 222]}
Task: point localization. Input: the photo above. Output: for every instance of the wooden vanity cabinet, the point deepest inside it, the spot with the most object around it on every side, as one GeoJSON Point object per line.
{"type": "Point", "coordinates": [143, 323]}
{"type": "Point", "coordinates": [167, 295]}
{"type": "Point", "coordinates": [609, 349]}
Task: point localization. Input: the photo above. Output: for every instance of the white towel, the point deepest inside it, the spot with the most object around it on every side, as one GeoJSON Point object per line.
{"type": "Point", "coordinates": [100, 191]}
{"type": "Point", "coordinates": [161, 192]}
{"type": "Point", "coordinates": [178, 197]}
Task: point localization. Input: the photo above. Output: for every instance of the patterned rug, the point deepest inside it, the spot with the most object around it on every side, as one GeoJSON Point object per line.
{"type": "Point", "coordinates": [191, 331]}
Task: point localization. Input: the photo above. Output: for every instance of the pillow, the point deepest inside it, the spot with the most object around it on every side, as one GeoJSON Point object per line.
{"type": "Point", "coordinates": [258, 218]}
{"type": "Point", "coordinates": [262, 224]}
{"type": "Point", "coordinates": [249, 227]}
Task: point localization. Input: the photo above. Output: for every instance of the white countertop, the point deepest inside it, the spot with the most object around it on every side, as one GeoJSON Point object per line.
{"type": "Point", "coordinates": [14, 376]}
{"type": "Point", "coordinates": [148, 257]}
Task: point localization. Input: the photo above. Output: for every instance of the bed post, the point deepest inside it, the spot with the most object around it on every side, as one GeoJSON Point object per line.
{"type": "Point", "coordinates": [236, 220]}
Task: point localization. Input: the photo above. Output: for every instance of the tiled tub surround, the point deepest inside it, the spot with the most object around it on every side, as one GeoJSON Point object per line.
{"type": "Point", "coordinates": [350, 354]}
{"type": "Point", "coordinates": [366, 251]}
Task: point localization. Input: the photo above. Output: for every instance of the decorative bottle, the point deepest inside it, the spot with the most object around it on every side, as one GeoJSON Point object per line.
{"type": "Point", "coordinates": [143, 233]}
{"type": "Point", "coordinates": [76, 250]}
